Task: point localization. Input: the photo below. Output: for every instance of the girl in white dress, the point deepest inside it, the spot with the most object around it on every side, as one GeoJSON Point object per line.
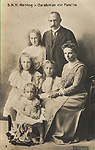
{"type": "Point", "coordinates": [30, 112]}
{"type": "Point", "coordinates": [36, 50]}
{"type": "Point", "coordinates": [18, 79]}
{"type": "Point", "coordinates": [51, 82]}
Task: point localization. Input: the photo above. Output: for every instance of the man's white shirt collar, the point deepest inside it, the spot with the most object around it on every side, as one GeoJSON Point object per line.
{"type": "Point", "coordinates": [56, 30]}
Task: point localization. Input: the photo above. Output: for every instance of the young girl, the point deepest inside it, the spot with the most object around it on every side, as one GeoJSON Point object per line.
{"type": "Point", "coordinates": [30, 112]}
{"type": "Point", "coordinates": [51, 83]}
{"type": "Point", "coordinates": [18, 79]}
{"type": "Point", "coordinates": [36, 50]}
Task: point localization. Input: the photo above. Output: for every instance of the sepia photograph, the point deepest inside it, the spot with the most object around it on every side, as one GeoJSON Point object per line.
{"type": "Point", "coordinates": [47, 75]}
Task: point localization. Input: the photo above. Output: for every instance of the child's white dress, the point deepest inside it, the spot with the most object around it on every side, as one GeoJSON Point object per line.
{"type": "Point", "coordinates": [38, 55]}
{"type": "Point", "coordinates": [50, 85]}
{"type": "Point", "coordinates": [24, 103]}
{"type": "Point", "coordinates": [17, 80]}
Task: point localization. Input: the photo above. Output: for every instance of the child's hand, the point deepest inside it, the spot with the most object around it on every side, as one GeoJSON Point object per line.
{"type": "Point", "coordinates": [36, 116]}
{"type": "Point", "coordinates": [36, 103]}
{"type": "Point", "coordinates": [32, 116]}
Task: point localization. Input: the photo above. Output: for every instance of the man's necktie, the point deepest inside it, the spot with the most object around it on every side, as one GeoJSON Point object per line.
{"type": "Point", "coordinates": [54, 37]}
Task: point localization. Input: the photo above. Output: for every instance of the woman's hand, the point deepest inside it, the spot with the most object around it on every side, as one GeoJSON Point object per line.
{"type": "Point", "coordinates": [61, 92]}
{"type": "Point", "coordinates": [54, 94]}
{"type": "Point", "coordinates": [44, 96]}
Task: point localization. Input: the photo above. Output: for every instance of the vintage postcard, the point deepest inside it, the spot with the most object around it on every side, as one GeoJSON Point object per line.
{"type": "Point", "coordinates": [39, 39]}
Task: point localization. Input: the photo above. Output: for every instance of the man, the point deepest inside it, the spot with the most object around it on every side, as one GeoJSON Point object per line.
{"type": "Point", "coordinates": [54, 39]}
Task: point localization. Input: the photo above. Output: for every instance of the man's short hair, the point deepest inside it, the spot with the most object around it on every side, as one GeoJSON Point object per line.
{"type": "Point", "coordinates": [55, 12]}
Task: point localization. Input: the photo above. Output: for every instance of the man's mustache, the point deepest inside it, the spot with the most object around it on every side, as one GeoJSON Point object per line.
{"type": "Point", "coordinates": [53, 26]}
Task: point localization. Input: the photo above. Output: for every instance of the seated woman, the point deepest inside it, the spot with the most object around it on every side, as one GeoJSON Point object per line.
{"type": "Point", "coordinates": [63, 112]}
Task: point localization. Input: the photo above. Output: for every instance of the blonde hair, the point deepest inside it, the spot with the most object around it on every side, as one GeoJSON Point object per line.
{"type": "Point", "coordinates": [53, 65]}
{"type": "Point", "coordinates": [20, 65]}
{"type": "Point", "coordinates": [49, 62]}
{"type": "Point", "coordinates": [32, 86]}
{"type": "Point", "coordinates": [37, 32]}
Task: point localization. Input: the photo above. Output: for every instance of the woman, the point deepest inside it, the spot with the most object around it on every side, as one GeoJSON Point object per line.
{"type": "Point", "coordinates": [64, 111]}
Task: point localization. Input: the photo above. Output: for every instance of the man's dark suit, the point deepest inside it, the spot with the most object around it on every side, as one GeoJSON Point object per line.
{"type": "Point", "coordinates": [53, 49]}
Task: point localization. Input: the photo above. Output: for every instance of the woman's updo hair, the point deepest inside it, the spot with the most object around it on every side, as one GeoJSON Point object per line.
{"type": "Point", "coordinates": [37, 32]}
{"type": "Point", "coordinates": [70, 44]}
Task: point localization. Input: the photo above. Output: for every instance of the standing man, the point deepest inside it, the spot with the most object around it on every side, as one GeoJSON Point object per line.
{"type": "Point", "coordinates": [54, 39]}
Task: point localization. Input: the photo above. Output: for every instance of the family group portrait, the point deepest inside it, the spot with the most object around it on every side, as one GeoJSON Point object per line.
{"type": "Point", "coordinates": [47, 76]}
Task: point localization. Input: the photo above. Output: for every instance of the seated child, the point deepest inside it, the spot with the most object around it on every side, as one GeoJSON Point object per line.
{"type": "Point", "coordinates": [52, 83]}
{"type": "Point", "coordinates": [36, 50]}
{"type": "Point", "coordinates": [50, 90]}
{"type": "Point", "coordinates": [30, 111]}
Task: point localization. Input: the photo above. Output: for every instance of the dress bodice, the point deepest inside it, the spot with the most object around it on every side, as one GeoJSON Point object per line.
{"type": "Point", "coordinates": [37, 53]}
{"type": "Point", "coordinates": [73, 78]}
{"type": "Point", "coordinates": [19, 80]}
